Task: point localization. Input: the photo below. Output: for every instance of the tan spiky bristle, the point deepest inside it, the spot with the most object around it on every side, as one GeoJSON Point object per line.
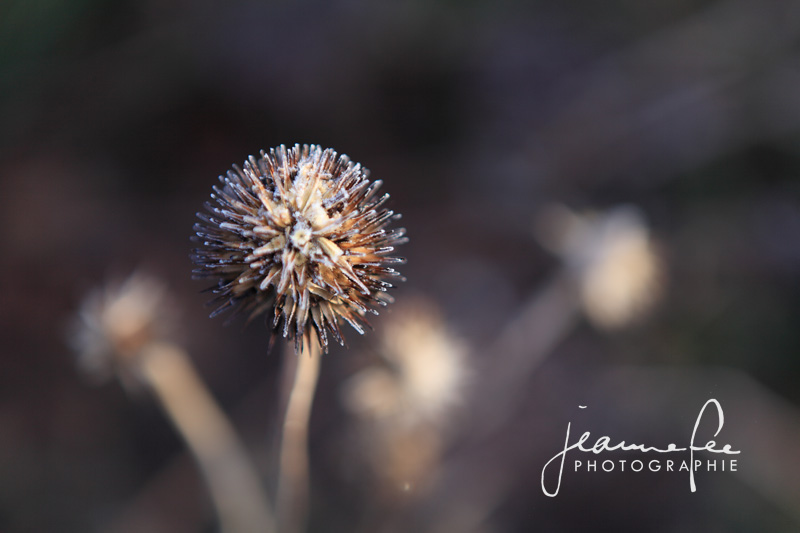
{"type": "Point", "coordinates": [299, 232]}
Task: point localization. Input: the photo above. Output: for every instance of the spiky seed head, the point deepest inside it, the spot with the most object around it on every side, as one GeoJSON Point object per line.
{"type": "Point", "coordinates": [301, 235]}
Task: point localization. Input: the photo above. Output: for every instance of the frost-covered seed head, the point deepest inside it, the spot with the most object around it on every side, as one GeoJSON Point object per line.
{"type": "Point", "coordinates": [299, 234]}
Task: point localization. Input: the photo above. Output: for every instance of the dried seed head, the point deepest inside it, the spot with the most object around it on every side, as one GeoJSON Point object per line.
{"type": "Point", "coordinates": [116, 322]}
{"type": "Point", "coordinates": [421, 373]}
{"type": "Point", "coordinates": [408, 398]}
{"type": "Point", "coordinates": [612, 256]}
{"type": "Point", "coordinates": [300, 234]}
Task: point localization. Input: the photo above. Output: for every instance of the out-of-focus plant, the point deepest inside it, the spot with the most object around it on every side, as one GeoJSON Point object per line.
{"type": "Point", "coordinates": [611, 273]}
{"type": "Point", "coordinates": [612, 259]}
{"type": "Point", "coordinates": [126, 330]}
{"type": "Point", "coordinates": [406, 397]}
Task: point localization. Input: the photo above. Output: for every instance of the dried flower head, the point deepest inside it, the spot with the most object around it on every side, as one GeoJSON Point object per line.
{"type": "Point", "coordinates": [421, 372]}
{"type": "Point", "coordinates": [613, 258]}
{"type": "Point", "coordinates": [116, 321]}
{"type": "Point", "coordinates": [408, 397]}
{"type": "Point", "coordinates": [300, 234]}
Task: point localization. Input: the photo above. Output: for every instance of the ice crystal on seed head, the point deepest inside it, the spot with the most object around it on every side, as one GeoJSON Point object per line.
{"type": "Point", "coordinates": [299, 234]}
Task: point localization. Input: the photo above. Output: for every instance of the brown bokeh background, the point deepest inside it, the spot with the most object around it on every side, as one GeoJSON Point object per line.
{"type": "Point", "coordinates": [118, 117]}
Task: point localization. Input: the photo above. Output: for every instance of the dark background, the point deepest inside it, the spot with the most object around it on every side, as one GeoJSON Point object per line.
{"type": "Point", "coordinates": [117, 117]}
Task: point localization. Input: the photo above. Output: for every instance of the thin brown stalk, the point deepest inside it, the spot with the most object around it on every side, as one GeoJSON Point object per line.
{"type": "Point", "coordinates": [235, 489]}
{"type": "Point", "coordinates": [541, 324]}
{"type": "Point", "coordinates": [524, 344]}
{"type": "Point", "coordinates": [293, 481]}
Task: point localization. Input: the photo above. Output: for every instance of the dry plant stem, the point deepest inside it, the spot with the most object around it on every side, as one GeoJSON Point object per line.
{"type": "Point", "coordinates": [293, 482]}
{"type": "Point", "coordinates": [236, 491]}
{"type": "Point", "coordinates": [541, 324]}
{"type": "Point", "coordinates": [461, 503]}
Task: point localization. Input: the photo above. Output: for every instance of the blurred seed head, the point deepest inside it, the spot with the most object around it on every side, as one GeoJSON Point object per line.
{"type": "Point", "coordinates": [299, 234]}
{"type": "Point", "coordinates": [421, 374]}
{"type": "Point", "coordinates": [613, 258]}
{"type": "Point", "coordinates": [116, 321]}
{"type": "Point", "coordinates": [406, 398]}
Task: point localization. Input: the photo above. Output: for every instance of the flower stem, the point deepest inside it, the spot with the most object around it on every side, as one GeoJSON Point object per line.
{"type": "Point", "coordinates": [235, 489]}
{"type": "Point", "coordinates": [293, 481]}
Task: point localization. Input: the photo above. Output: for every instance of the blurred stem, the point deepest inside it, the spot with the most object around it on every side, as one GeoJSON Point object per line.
{"type": "Point", "coordinates": [540, 326]}
{"type": "Point", "coordinates": [293, 482]}
{"type": "Point", "coordinates": [235, 488]}
{"type": "Point", "coordinates": [470, 494]}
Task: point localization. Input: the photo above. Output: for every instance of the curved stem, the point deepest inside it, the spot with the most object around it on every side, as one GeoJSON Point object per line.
{"type": "Point", "coordinates": [236, 491]}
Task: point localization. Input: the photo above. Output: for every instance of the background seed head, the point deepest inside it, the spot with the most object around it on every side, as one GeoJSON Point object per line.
{"type": "Point", "coordinates": [299, 234]}
{"type": "Point", "coordinates": [419, 374]}
{"type": "Point", "coordinates": [116, 321]}
{"type": "Point", "coordinates": [612, 257]}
